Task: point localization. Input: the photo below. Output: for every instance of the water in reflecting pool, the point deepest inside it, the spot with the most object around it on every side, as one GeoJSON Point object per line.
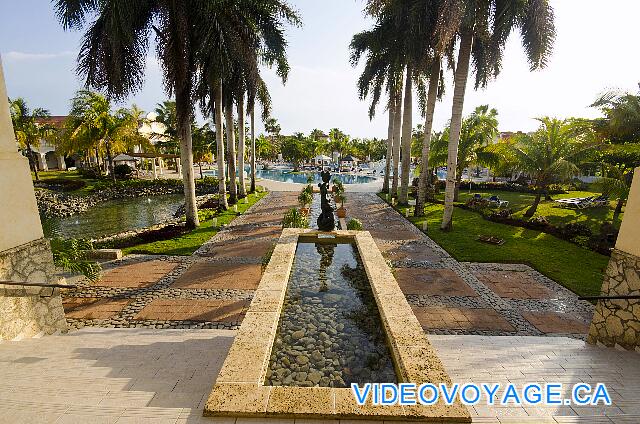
{"type": "Point", "coordinates": [114, 216]}
{"type": "Point", "coordinates": [330, 333]}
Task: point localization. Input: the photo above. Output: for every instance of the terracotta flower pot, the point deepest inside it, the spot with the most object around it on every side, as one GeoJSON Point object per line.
{"type": "Point", "coordinates": [342, 212]}
{"type": "Point", "coordinates": [304, 211]}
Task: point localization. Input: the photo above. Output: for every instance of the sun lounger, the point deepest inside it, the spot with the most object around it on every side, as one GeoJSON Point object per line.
{"type": "Point", "coordinates": [500, 203]}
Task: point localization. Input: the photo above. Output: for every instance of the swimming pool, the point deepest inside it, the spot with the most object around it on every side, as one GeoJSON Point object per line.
{"type": "Point", "coordinates": [288, 176]}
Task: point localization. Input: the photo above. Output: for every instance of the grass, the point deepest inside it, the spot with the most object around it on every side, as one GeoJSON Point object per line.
{"type": "Point", "coordinates": [188, 243]}
{"type": "Point", "coordinates": [556, 215]}
{"type": "Point", "coordinates": [576, 268]}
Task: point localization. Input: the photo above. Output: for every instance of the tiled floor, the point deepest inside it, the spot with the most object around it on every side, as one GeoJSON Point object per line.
{"type": "Point", "coordinates": [143, 274]}
{"type": "Point", "coordinates": [99, 375]}
{"type": "Point", "coordinates": [434, 282]}
{"type": "Point", "coordinates": [194, 310]}
{"type": "Point", "coordinates": [207, 275]}
{"type": "Point", "coordinates": [432, 318]}
{"type": "Point", "coordinates": [93, 307]}
{"type": "Point", "coordinates": [555, 322]}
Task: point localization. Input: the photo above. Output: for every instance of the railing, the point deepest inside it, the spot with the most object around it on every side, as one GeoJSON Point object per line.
{"type": "Point", "coordinates": [626, 297]}
{"type": "Point", "coordinates": [24, 283]}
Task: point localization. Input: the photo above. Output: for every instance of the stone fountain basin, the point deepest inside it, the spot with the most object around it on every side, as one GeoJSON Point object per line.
{"type": "Point", "coordinates": [239, 390]}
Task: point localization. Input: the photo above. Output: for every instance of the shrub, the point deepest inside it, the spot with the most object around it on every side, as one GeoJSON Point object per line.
{"type": "Point", "coordinates": [91, 173]}
{"type": "Point", "coordinates": [338, 187]}
{"type": "Point", "coordinates": [354, 225]}
{"type": "Point", "coordinates": [123, 171]}
{"type": "Point", "coordinates": [574, 230]}
{"type": "Point", "coordinates": [61, 184]}
{"type": "Point", "coordinates": [295, 219]}
{"type": "Point", "coordinates": [477, 204]}
{"type": "Point", "coordinates": [305, 198]}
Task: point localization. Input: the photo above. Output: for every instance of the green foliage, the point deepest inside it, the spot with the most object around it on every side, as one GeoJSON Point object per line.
{"type": "Point", "coordinates": [305, 198]}
{"type": "Point", "coordinates": [338, 186]}
{"type": "Point", "coordinates": [123, 171]}
{"type": "Point", "coordinates": [294, 219]}
{"type": "Point", "coordinates": [340, 198]}
{"type": "Point", "coordinates": [354, 225]}
{"type": "Point", "coordinates": [68, 254]}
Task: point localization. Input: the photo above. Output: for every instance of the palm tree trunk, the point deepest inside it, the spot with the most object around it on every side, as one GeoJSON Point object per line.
{"type": "Point", "coordinates": [387, 165]}
{"type": "Point", "coordinates": [183, 118]}
{"type": "Point", "coordinates": [241, 147]}
{"type": "Point", "coordinates": [403, 199]}
{"type": "Point", "coordinates": [222, 179]}
{"type": "Point", "coordinates": [532, 210]}
{"type": "Point", "coordinates": [253, 149]}
{"type": "Point", "coordinates": [618, 210]}
{"type": "Point", "coordinates": [460, 80]}
{"type": "Point", "coordinates": [231, 151]}
{"type": "Point", "coordinates": [98, 160]}
{"type": "Point", "coordinates": [432, 96]}
{"type": "Point", "coordinates": [397, 128]}
{"type": "Point", "coordinates": [456, 191]}
{"type": "Point", "coordinates": [200, 166]}
{"type": "Point", "coordinates": [107, 146]}
{"type": "Point", "coordinates": [32, 161]}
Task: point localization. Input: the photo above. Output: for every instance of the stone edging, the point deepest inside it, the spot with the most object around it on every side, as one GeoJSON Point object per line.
{"type": "Point", "coordinates": [239, 389]}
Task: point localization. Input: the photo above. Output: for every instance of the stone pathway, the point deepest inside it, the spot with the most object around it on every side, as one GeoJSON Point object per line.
{"type": "Point", "coordinates": [211, 289]}
{"type": "Point", "coordinates": [449, 297]}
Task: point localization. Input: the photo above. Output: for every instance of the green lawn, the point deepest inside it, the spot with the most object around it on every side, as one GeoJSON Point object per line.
{"type": "Point", "coordinates": [576, 268]}
{"type": "Point", "coordinates": [556, 215]}
{"type": "Point", "coordinates": [188, 243]}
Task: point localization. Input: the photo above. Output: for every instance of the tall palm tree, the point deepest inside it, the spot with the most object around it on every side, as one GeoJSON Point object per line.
{"type": "Point", "coordinates": [382, 71]}
{"type": "Point", "coordinates": [28, 131]}
{"type": "Point", "coordinates": [483, 28]}
{"type": "Point", "coordinates": [114, 49]}
{"type": "Point", "coordinates": [552, 154]}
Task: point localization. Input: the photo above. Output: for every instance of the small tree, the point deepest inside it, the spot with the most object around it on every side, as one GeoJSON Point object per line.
{"type": "Point", "coordinates": [552, 154]}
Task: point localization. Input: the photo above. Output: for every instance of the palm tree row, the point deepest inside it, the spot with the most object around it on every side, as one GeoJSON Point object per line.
{"type": "Point", "coordinates": [210, 52]}
{"type": "Point", "coordinates": [410, 39]}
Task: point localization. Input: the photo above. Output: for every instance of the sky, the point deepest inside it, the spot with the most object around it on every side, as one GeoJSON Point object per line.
{"type": "Point", "coordinates": [595, 50]}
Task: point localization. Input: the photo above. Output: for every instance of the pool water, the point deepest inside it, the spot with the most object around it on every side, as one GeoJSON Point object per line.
{"type": "Point", "coordinates": [330, 333]}
{"type": "Point", "coordinates": [114, 216]}
{"type": "Point", "coordinates": [288, 176]}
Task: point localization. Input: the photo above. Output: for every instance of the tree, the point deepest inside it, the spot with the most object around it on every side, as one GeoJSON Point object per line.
{"type": "Point", "coordinates": [293, 150]}
{"type": "Point", "coordinates": [203, 140]}
{"type": "Point", "coordinates": [91, 122]}
{"type": "Point", "coordinates": [114, 48]}
{"type": "Point", "coordinates": [552, 154]}
{"type": "Point", "coordinates": [166, 115]}
{"type": "Point", "coordinates": [28, 132]}
{"type": "Point", "coordinates": [483, 29]}
{"type": "Point", "coordinates": [477, 134]}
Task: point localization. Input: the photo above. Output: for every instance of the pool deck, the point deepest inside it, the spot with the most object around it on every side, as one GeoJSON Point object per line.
{"type": "Point", "coordinates": [488, 322]}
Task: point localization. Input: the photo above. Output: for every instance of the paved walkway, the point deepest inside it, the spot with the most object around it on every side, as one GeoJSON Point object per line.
{"type": "Point", "coordinates": [449, 297]}
{"type": "Point", "coordinates": [189, 306]}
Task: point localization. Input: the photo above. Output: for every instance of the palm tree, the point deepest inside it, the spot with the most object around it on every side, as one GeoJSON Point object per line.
{"type": "Point", "coordinates": [382, 71]}
{"type": "Point", "coordinates": [114, 48]}
{"type": "Point", "coordinates": [483, 29]}
{"type": "Point", "coordinates": [616, 183]}
{"type": "Point", "coordinates": [551, 154]}
{"type": "Point", "coordinates": [91, 122]}
{"type": "Point", "coordinates": [477, 134]}
{"type": "Point", "coordinates": [28, 132]}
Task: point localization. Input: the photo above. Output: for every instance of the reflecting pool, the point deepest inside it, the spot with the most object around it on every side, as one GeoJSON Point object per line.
{"type": "Point", "coordinates": [330, 333]}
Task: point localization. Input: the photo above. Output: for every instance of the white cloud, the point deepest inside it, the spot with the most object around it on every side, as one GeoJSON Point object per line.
{"type": "Point", "coordinates": [24, 56]}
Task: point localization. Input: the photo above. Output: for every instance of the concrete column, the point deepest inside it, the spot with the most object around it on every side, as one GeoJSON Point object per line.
{"type": "Point", "coordinates": [179, 167]}
{"type": "Point", "coordinates": [42, 161]}
{"type": "Point", "coordinates": [160, 165]}
{"type": "Point", "coordinates": [25, 256]}
{"type": "Point", "coordinates": [61, 163]}
{"type": "Point", "coordinates": [616, 322]}
{"type": "Point", "coordinates": [155, 168]}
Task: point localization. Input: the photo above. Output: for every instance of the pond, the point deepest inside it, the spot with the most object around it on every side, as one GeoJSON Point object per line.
{"type": "Point", "coordinates": [330, 333]}
{"type": "Point", "coordinates": [114, 216]}
{"type": "Point", "coordinates": [288, 176]}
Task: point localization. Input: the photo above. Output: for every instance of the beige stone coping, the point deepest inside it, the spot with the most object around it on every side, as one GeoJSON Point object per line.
{"type": "Point", "coordinates": [239, 390]}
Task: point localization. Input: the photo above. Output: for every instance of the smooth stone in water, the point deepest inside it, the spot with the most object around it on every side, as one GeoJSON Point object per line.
{"type": "Point", "coordinates": [302, 359]}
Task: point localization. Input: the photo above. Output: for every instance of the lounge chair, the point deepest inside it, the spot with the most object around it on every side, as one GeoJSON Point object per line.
{"type": "Point", "coordinates": [576, 202]}
{"type": "Point", "coordinates": [500, 203]}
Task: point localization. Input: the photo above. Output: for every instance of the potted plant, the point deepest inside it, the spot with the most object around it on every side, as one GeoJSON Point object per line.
{"type": "Point", "coordinates": [340, 198]}
{"type": "Point", "coordinates": [304, 199]}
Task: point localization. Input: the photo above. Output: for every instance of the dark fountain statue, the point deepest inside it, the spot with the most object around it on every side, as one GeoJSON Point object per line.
{"type": "Point", "coordinates": [325, 220]}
